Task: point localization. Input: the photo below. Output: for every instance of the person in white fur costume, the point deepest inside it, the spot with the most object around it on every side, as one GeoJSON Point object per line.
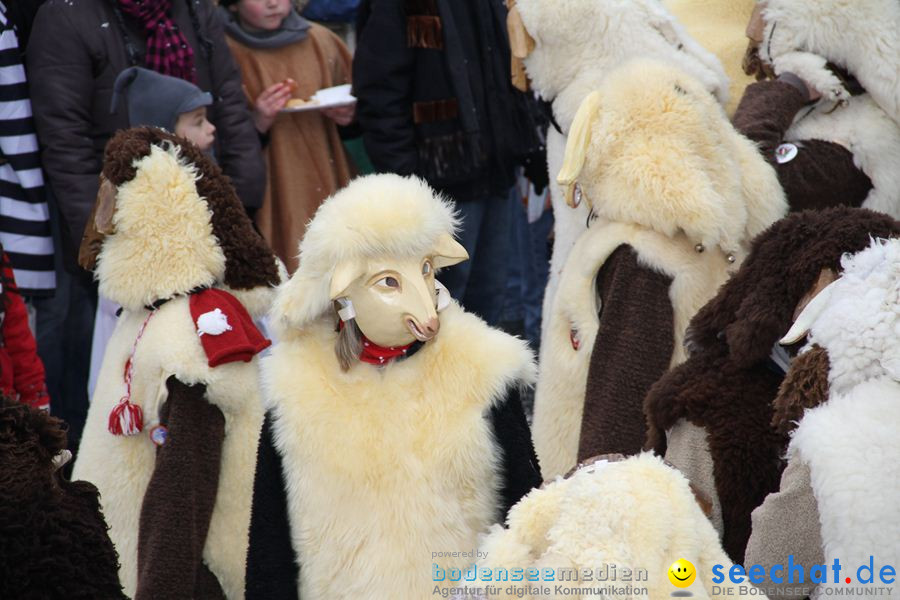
{"type": "Point", "coordinates": [840, 492]}
{"type": "Point", "coordinates": [636, 515]}
{"type": "Point", "coordinates": [568, 47]}
{"type": "Point", "coordinates": [172, 430]}
{"type": "Point", "coordinates": [676, 194]}
{"type": "Point", "coordinates": [394, 427]}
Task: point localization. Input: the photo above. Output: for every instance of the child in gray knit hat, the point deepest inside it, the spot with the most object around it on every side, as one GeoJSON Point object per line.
{"type": "Point", "coordinates": [167, 102]}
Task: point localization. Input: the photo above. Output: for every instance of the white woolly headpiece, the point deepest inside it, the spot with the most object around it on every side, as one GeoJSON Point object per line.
{"type": "Point", "coordinates": [374, 216]}
{"type": "Point", "coordinates": [635, 513]}
{"type": "Point", "coordinates": [652, 147]}
{"type": "Point", "coordinates": [857, 318]}
{"type": "Point", "coordinates": [859, 35]}
{"type": "Point", "coordinates": [578, 42]}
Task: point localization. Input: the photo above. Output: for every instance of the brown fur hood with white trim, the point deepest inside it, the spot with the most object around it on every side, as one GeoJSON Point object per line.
{"type": "Point", "coordinates": [728, 385]}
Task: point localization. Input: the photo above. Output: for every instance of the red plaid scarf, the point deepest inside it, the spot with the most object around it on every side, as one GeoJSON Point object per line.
{"type": "Point", "coordinates": [168, 51]}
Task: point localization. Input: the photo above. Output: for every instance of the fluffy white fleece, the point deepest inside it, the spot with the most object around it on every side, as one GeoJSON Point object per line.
{"type": "Point", "coordinates": [652, 147]}
{"type": "Point", "coordinates": [850, 442]}
{"type": "Point", "coordinates": [577, 44]}
{"type": "Point", "coordinates": [164, 245]}
{"type": "Point", "coordinates": [385, 466]}
{"type": "Point", "coordinates": [373, 215]}
{"type": "Point", "coordinates": [860, 324]}
{"type": "Point", "coordinates": [853, 451]}
{"type": "Point", "coordinates": [860, 35]}
{"type": "Point", "coordinates": [635, 514]}
{"type": "Point", "coordinates": [121, 466]}
{"type": "Point", "coordinates": [163, 242]}
{"type": "Point", "coordinates": [559, 397]}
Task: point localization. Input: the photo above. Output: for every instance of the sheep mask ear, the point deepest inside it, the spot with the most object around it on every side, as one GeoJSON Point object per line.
{"type": "Point", "coordinates": [521, 44]}
{"type": "Point", "coordinates": [577, 146]}
{"type": "Point", "coordinates": [448, 252]}
{"type": "Point", "coordinates": [99, 226]}
{"type": "Point", "coordinates": [345, 273]}
{"type": "Point", "coordinates": [808, 316]}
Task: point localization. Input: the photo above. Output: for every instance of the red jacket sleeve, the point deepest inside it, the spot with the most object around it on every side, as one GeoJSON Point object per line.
{"type": "Point", "coordinates": [18, 343]}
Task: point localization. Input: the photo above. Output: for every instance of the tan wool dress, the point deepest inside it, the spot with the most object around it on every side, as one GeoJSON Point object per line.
{"type": "Point", "coordinates": [305, 160]}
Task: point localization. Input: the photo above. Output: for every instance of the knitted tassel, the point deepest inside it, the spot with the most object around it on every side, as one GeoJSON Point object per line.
{"type": "Point", "coordinates": [126, 418]}
{"type": "Point", "coordinates": [424, 31]}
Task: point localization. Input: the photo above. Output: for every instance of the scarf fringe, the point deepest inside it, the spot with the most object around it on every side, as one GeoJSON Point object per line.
{"type": "Point", "coordinates": [424, 31]}
{"type": "Point", "coordinates": [447, 159]}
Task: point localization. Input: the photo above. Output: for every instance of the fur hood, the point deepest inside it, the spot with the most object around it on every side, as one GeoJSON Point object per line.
{"type": "Point", "coordinates": [755, 307]}
{"type": "Point", "coordinates": [653, 148]}
{"type": "Point", "coordinates": [635, 513]}
{"type": "Point", "coordinates": [578, 42]}
{"type": "Point", "coordinates": [860, 36]}
{"type": "Point", "coordinates": [374, 215]}
{"type": "Point", "coordinates": [176, 224]}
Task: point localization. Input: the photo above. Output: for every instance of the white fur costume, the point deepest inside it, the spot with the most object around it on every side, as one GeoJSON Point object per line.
{"type": "Point", "coordinates": [161, 249]}
{"type": "Point", "coordinates": [632, 514]}
{"type": "Point", "coordinates": [382, 465]}
{"type": "Point", "coordinates": [665, 171]}
{"type": "Point", "coordinates": [577, 44]}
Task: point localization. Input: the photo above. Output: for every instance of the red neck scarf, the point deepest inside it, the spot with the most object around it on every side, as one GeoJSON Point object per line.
{"type": "Point", "coordinates": [168, 51]}
{"type": "Point", "coordinates": [374, 354]}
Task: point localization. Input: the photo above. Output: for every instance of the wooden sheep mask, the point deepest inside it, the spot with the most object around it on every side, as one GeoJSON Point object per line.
{"type": "Point", "coordinates": [395, 299]}
{"type": "Point", "coordinates": [369, 258]}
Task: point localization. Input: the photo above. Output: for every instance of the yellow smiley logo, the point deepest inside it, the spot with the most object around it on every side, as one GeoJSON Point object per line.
{"type": "Point", "coordinates": [682, 573]}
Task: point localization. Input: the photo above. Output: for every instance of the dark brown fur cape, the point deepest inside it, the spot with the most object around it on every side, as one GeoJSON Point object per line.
{"type": "Point", "coordinates": [727, 386]}
{"type": "Point", "coordinates": [53, 540]}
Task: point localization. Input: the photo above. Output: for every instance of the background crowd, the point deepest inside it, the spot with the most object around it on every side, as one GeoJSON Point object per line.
{"type": "Point", "coordinates": [76, 72]}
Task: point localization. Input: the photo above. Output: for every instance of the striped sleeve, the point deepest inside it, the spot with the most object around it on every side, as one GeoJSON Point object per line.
{"type": "Point", "coordinates": [24, 214]}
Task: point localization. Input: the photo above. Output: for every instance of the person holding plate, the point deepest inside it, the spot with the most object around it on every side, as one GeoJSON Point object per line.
{"type": "Point", "coordinates": [284, 60]}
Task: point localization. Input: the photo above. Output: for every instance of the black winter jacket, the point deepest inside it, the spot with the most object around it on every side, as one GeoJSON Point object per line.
{"type": "Point", "coordinates": [76, 50]}
{"type": "Point", "coordinates": [435, 96]}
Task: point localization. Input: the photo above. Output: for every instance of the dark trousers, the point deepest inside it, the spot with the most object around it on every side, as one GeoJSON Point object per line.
{"type": "Point", "coordinates": [64, 328]}
{"type": "Point", "coordinates": [479, 283]}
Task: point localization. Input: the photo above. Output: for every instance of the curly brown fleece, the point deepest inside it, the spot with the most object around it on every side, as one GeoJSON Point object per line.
{"type": "Point", "coordinates": [805, 386]}
{"type": "Point", "coordinates": [727, 386]}
{"type": "Point", "coordinates": [53, 539]}
{"type": "Point", "coordinates": [249, 262]}
{"type": "Point", "coordinates": [755, 307]}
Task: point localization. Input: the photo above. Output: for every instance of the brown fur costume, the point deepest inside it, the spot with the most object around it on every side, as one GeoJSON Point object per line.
{"type": "Point", "coordinates": [805, 386]}
{"type": "Point", "coordinates": [727, 386]}
{"type": "Point", "coordinates": [53, 539]}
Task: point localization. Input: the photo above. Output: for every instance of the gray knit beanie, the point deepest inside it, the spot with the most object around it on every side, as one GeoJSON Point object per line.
{"type": "Point", "coordinates": [155, 99]}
